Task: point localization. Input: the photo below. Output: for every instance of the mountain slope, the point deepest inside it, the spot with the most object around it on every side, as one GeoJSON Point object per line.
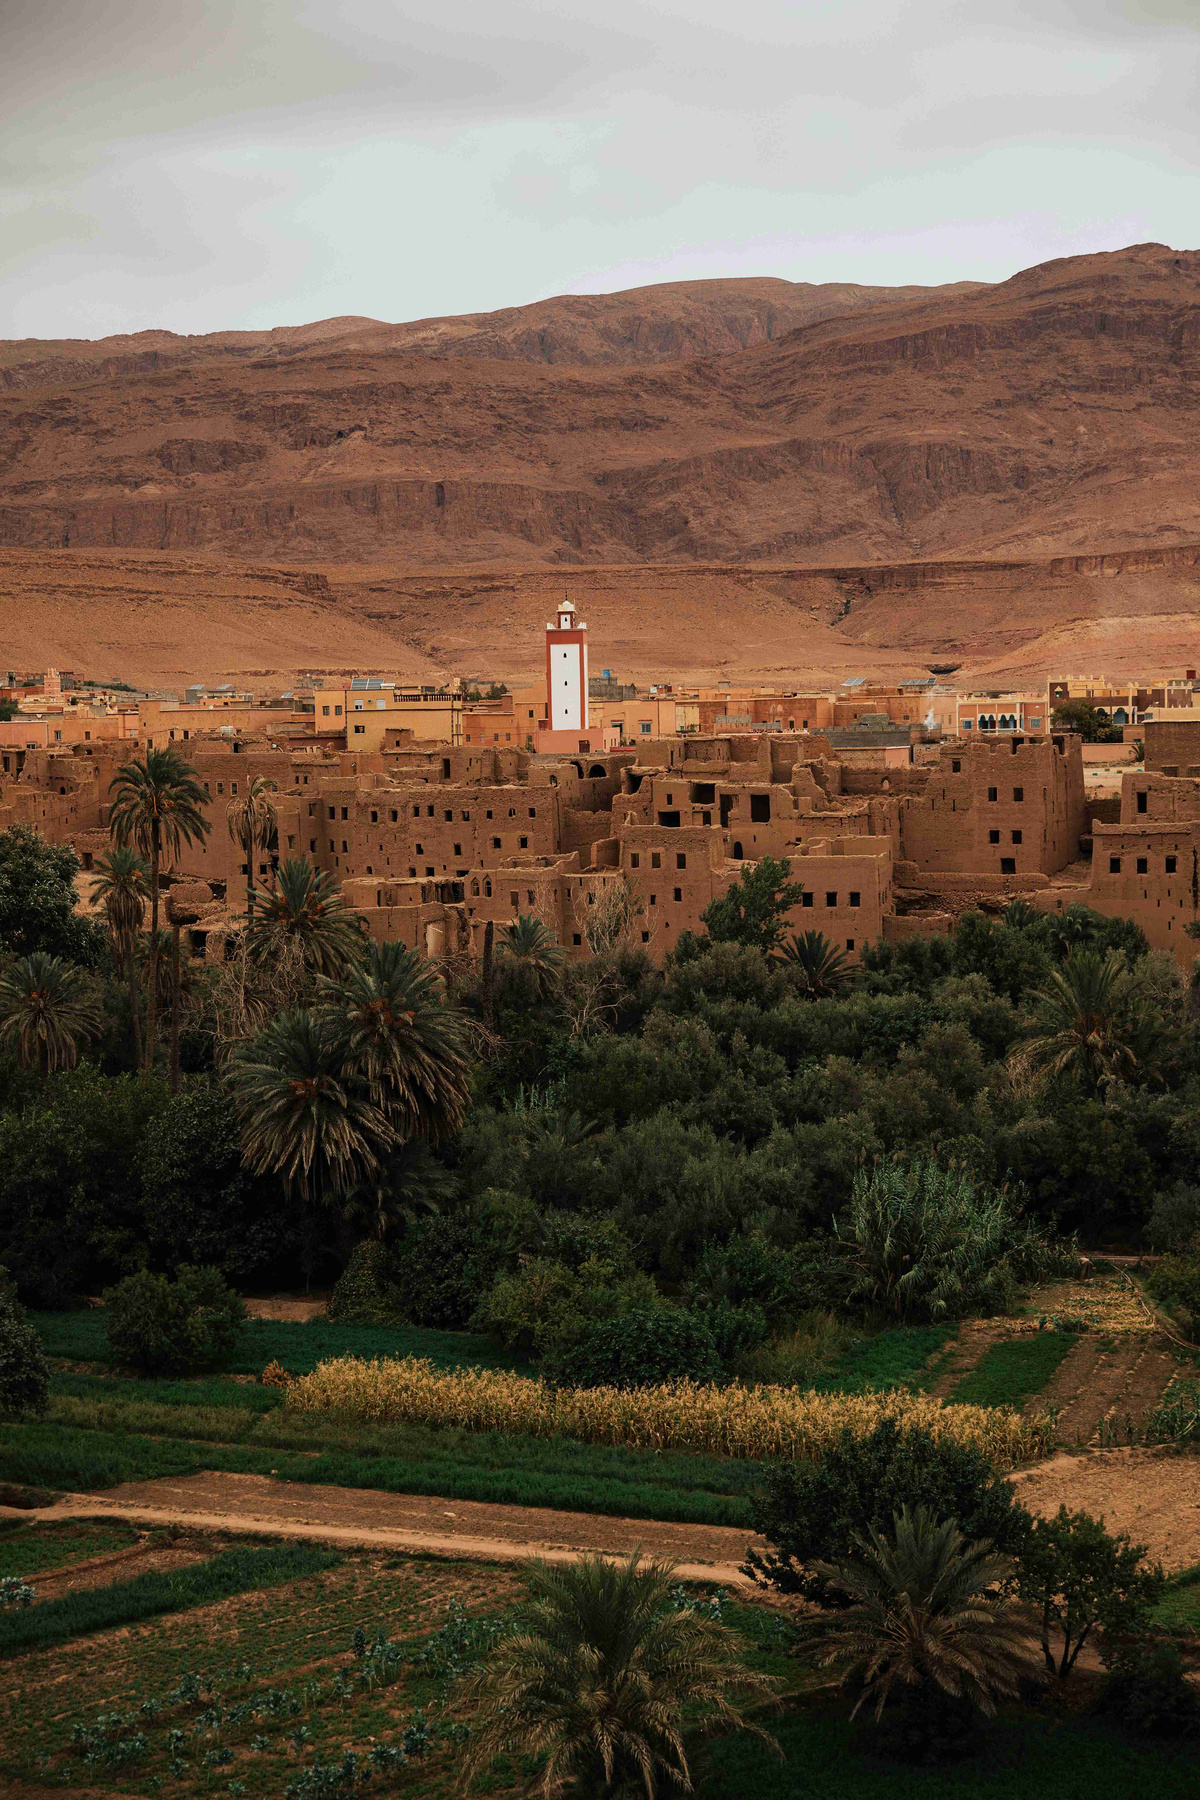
{"type": "Point", "coordinates": [1058, 412]}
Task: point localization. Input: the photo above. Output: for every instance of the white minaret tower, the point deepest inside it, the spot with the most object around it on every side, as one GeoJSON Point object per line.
{"type": "Point", "coordinates": [566, 671]}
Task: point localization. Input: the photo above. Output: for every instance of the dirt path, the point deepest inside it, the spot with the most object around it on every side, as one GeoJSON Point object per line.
{"type": "Point", "coordinates": [215, 1501]}
{"type": "Point", "coordinates": [1152, 1494]}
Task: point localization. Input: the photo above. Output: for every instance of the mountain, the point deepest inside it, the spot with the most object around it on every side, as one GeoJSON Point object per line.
{"type": "Point", "coordinates": [900, 453]}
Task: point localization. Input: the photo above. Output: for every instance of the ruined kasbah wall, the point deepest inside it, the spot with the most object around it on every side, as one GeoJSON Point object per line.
{"type": "Point", "coordinates": [1015, 807]}
{"type": "Point", "coordinates": [1172, 747]}
{"type": "Point", "coordinates": [1147, 797]}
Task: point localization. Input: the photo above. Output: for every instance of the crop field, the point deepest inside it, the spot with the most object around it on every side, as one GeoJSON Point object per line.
{"type": "Point", "coordinates": [1015, 1370]}
{"type": "Point", "coordinates": [250, 1694]}
{"type": "Point", "coordinates": [26, 1551]}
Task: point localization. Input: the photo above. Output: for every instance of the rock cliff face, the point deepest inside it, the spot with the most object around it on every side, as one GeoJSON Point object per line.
{"type": "Point", "coordinates": [927, 467]}
{"type": "Point", "coordinates": [1056, 412]}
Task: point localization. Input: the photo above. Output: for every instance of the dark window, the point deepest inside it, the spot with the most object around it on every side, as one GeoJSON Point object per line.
{"type": "Point", "coordinates": [645, 937]}
{"type": "Point", "coordinates": [345, 812]}
{"type": "Point", "coordinates": [1171, 865]}
{"type": "Point", "coordinates": [830, 899]}
{"type": "Point", "coordinates": [394, 816]}
{"type": "Point", "coordinates": [1143, 866]}
{"type": "Point", "coordinates": [679, 893]}
{"type": "Point", "coordinates": [806, 900]}
{"type": "Point", "coordinates": [524, 843]}
{"type": "Point", "coordinates": [654, 899]}
{"type": "Point", "coordinates": [374, 817]}
{"type": "Point", "coordinates": [332, 812]}
{"type": "Point", "coordinates": [993, 837]}
{"type": "Point", "coordinates": [1016, 837]}
{"type": "Point", "coordinates": [1141, 802]}
{"type": "Point", "coordinates": [855, 897]}
{"type": "Point", "coordinates": [495, 844]}
{"type": "Point", "coordinates": [993, 793]}
{"type": "Point", "coordinates": [849, 943]}
{"type": "Point", "coordinates": [668, 818]}
{"type": "Point", "coordinates": [1114, 865]}
{"type": "Point", "coordinates": [956, 766]}
{"type": "Point", "coordinates": [576, 938]}
{"type": "Point", "coordinates": [680, 860]}
{"type": "Point", "coordinates": [760, 809]}
{"type": "Point", "coordinates": [655, 860]}
{"type": "Point", "coordinates": [635, 861]}
{"type": "Point", "coordinates": [1008, 865]}
{"type": "Point", "coordinates": [1018, 793]}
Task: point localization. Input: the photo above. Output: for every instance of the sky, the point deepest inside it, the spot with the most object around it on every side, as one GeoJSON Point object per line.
{"type": "Point", "coordinates": [252, 163]}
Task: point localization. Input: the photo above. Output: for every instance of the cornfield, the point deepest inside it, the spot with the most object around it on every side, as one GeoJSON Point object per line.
{"type": "Point", "coordinates": [748, 1423]}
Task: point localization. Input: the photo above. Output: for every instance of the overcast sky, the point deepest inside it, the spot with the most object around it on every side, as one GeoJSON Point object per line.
{"type": "Point", "coordinates": [264, 162]}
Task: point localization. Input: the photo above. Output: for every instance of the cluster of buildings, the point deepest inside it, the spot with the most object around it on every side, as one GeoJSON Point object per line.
{"type": "Point", "coordinates": [584, 801]}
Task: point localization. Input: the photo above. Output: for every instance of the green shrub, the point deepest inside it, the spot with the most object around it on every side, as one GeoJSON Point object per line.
{"type": "Point", "coordinates": [810, 1511]}
{"type": "Point", "coordinates": [547, 1307]}
{"type": "Point", "coordinates": [362, 1294]}
{"type": "Point", "coordinates": [442, 1266]}
{"type": "Point", "coordinates": [24, 1371]}
{"type": "Point", "coordinates": [735, 1330]}
{"type": "Point", "coordinates": [1148, 1693]}
{"type": "Point", "coordinates": [1174, 1222]}
{"type": "Point", "coordinates": [1175, 1283]}
{"type": "Point", "coordinates": [930, 1245]}
{"type": "Point", "coordinates": [162, 1327]}
{"type": "Point", "coordinates": [1081, 1578]}
{"type": "Point", "coordinates": [643, 1349]}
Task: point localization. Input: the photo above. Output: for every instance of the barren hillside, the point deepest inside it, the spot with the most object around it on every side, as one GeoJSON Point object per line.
{"type": "Point", "coordinates": [941, 467]}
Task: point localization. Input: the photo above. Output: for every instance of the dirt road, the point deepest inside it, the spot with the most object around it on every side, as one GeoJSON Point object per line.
{"type": "Point", "coordinates": [1152, 1495]}
{"type": "Point", "coordinates": [366, 1516]}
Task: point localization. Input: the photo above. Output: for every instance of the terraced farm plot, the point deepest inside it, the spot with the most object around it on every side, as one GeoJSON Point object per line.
{"type": "Point", "coordinates": [27, 1550]}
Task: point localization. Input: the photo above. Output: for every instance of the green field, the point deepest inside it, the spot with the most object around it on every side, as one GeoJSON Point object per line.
{"type": "Point", "coordinates": [1012, 1372]}
{"type": "Point", "coordinates": [159, 1591]}
{"type": "Point", "coordinates": [32, 1549]}
{"type": "Point", "coordinates": [1021, 1757]}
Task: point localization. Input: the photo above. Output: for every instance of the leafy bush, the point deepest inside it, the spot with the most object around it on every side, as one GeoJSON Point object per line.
{"type": "Point", "coordinates": [931, 1245]}
{"type": "Point", "coordinates": [162, 1327]}
{"type": "Point", "coordinates": [810, 1511]}
{"type": "Point", "coordinates": [442, 1269]}
{"type": "Point", "coordinates": [199, 1204]}
{"type": "Point", "coordinates": [24, 1371]}
{"type": "Point", "coordinates": [361, 1293]}
{"type": "Point", "coordinates": [547, 1307]}
{"type": "Point", "coordinates": [1082, 1577]}
{"type": "Point", "coordinates": [644, 1349]}
{"type": "Point", "coordinates": [1148, 1692]}
{"type": "Point", "coordinates": [1174, 1222]}
{"type": "Point", "coordinates": [1176, 1284]}
{"type": "Point", "coordinates": [735, 1330]}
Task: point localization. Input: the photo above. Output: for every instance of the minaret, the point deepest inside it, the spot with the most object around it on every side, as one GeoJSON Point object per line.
{"type": "Point", "coordinates": [566, 671]}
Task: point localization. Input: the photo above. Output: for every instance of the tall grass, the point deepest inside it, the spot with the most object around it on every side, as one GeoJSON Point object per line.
{"type": "Point", "coordinates": [147, 1596]}
{"type": "Point", "coordinates": [731, 1421]}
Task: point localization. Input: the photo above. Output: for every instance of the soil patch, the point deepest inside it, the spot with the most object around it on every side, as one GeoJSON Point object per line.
{"type": "Point", "coordinates": [1154, 1495]}
{"type": "Point", "coordinates": [123, 1565]}
{"type": "Point", "coordinates": [212, 1500]}
{"type": "Point", "coordinates": [972, 1344]}
{"type": "Point", "coordinates": [289, 1309]}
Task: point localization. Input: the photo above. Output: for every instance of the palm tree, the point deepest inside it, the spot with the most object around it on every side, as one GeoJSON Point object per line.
{"type": "Point", "coordinates": [46, 1006]}
{"type": "Point", "coordinates": [1018, 915]}
{"type": "Point", "coordinates": [120, 888]}
{"type": "Point", "coordinates": [158, 807]}
{"type": "Point", "coordinates": [306, 908]}
{"type": "Point", "coordinates": [930, 1619]}
{"type": "Point", "coordinates": [251, 822]}
{"type": "Point", "coordinates": [1087, 1024]}
{"type": "Point", "coordinates": [302, 1116]}
{"type": "Point", "coordinates": [533, 953]}
{"type": "Point", "coordinates": [818, 969]}
{"type": "Point", "coordinates": [397, 1032]}
{"type": "Point", "coordinates": [597, 1675]}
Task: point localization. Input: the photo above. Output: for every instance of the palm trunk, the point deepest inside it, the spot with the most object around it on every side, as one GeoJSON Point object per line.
{"type": "Point", "coordinates": [152, 1001]}
{"type": "Point", "coordinates": [174, 1009]}
{"type": "Point", "coordinates": [489, 976]}
{"type": "Point", "coordinates": [249, 886]}
{"type": "Point", "coordinates": [135, 1004]}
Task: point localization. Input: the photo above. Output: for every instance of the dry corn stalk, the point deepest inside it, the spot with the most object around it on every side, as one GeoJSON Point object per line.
{"type": "Point", "coordinates": [682, 1415]}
